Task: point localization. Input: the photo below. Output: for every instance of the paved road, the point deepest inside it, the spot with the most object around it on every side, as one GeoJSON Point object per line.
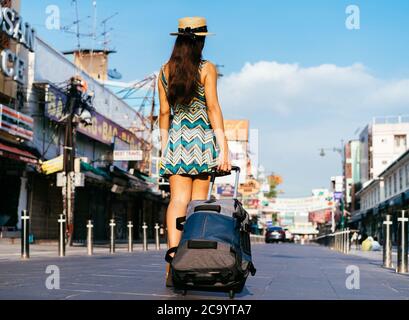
{"type": "Point", "coordinates": [285, 271]}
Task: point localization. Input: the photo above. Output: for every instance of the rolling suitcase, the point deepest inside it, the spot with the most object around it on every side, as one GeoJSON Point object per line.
{"type": "Point", "coordinates": [214, 253]}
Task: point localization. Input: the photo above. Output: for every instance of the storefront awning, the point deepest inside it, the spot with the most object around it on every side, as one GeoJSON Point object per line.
{"type": "Point", "coordinates": [17, 154]}
{"type": "Point", "coordinates": [96, 173]}
{"type": "Point", "coordinates": [406, 196]}
{"type": "Point", "coordinates": [356, 217]}
{"type": "Point", "coordinates": [134, 184]}
{"type": "Point", "coordinates": [396, 201]}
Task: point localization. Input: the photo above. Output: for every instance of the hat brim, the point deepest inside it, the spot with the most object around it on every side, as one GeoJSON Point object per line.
{"type": "Point", "coordinates": [200, 34]}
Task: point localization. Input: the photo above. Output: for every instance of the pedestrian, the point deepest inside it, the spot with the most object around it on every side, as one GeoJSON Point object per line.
{"type": "Point", "coordinates": [359, 241]}
{"type": "Point", "coordinates": [193, 141]}
{"type": "Point", "coordinates": [354, 239]}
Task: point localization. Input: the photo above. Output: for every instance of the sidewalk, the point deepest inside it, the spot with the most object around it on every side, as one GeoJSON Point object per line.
{"type": "Point", "coordinates": [375, 256]}
{"type": "Point", "coordinates": [12, 252]}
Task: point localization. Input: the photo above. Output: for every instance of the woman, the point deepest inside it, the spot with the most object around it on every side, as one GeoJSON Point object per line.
{"type": "Point", "coordinates": [192, 135]}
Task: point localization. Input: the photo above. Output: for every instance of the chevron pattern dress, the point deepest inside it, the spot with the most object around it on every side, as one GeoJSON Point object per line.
{"type": "Point", "coordinates": [191, 149]}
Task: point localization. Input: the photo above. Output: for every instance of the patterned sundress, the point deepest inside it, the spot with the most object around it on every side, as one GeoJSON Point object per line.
{"type": "Point", "coordinates": [192, 148]}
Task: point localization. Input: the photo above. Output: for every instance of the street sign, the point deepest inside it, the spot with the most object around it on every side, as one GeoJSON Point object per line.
{"type": "Point", "coordinates": [61, 179]}
{"type": "Point", "coordinates": [128, 155]}
{"type": "Point", "coordinates": [53, 165]}
{"type": "Point", "coordinates": [79, 179]}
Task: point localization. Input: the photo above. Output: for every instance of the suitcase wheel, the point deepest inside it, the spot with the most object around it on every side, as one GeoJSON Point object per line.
{"type": "Point", "coordinates": [184, 292]}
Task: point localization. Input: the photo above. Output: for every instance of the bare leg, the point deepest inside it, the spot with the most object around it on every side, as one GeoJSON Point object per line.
{"type": "Point", "coordinates": [180, 196]}
{"type": "Point", "coordinates": [200, 187]}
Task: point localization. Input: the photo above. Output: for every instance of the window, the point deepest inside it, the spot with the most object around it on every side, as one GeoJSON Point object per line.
{"type": "Point", "coordinates": [390, 185]}
{"type": "Point", "coordinates": [400, 141]}
{"type": "Point", "coordinates": [386, 188]}
{"type": "Point", "coordinates": [407, 175]}
{"type": "Point", "coordinates": [395, 183]}
{"type": "Point", "coordinates": [400, 179]}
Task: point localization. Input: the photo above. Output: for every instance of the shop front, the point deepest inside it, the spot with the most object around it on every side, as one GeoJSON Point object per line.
{"type": "Point", "coordinates": [17, 157]}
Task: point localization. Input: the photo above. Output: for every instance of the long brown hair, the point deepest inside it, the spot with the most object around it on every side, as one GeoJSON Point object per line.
{"type": "Point", "coordinates": [184, 69]}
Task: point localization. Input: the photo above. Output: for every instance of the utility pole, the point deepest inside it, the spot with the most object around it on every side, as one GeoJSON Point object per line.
{"type": "Point", "coordinates": [76, 104]}
{"type": "Point", "coordinates": [68, 190]}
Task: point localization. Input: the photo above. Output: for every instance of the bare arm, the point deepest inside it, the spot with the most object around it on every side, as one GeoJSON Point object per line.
{"type": "Point", "coordinates": [164, 115]}
{"type": "Point", "coordinates": [216, 116]}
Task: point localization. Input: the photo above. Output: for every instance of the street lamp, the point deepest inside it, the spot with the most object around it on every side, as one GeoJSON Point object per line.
{"type": "Point", "coordinates": [341, 152]}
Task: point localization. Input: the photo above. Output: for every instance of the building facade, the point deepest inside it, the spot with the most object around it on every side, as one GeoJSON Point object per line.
{"type": "Point", "coordinates": [381, 187]}
{"type": "Point", "coordinates": [381, 142]}
{"type": "Point", "coordinates": [351, 173]}
{"type": "Point", "coordinates": [17, 157]}
{"type": "Point", "coordinates": [387, 194]}
{"type": "Point", "coordinates": [32, 142]}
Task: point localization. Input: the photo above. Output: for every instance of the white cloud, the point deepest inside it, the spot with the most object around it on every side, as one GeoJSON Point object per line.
{"type": "Point", "coordinates": [288, 88]}
{"type": "Point", "coordinates": [298, 110]}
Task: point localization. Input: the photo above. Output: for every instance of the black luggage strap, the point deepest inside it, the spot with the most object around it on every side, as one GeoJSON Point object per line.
{"type": "Point", "coordinates": [168, 256]}
{"type": "Point", "coordinates": [180, 223]}
{"type": "Point", "coordinates": [252, 269]}
{"type": "Point", "coordinates": [246, 227]}
{"type": "Point", "coordinates": [208, 207]}
{"type": "Point", "coordinates": [239, 212]}
{"type": "Point", "coordinates": [201, 244]}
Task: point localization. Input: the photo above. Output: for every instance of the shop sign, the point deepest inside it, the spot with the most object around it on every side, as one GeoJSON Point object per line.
{"type": "Point", "coordinates": [12, 25]}
{"type": "Point", "coordinates": [53, 165]}
{"type": "Point", "coordinates": [128, 155]}
{"type": "Point", "coordinates": [251, 187]}
{"type": "Point", "coordinates": [320, 216]}
{"type": "Point", "coordinates": [226, 190]}
{"type": "Point", "coordinates": [124, 152]}
{"type": "Point", "coordinates": [102, 129]}
{"type": "Point", "coordinates": [16, 123]}
{"type": "Point", "coordinates": [338, 196]}
{"type": "Point", "coordinates": [237, 130]}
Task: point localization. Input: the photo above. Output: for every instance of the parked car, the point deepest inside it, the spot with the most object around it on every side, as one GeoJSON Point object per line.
{"type": "Point", "coordinates": [288, 235]}
{"type": "Point", "coordinates": [275, 234]}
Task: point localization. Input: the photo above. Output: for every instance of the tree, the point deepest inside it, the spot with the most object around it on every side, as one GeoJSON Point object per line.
{"type": "Point", "coordinates": [274, 181]}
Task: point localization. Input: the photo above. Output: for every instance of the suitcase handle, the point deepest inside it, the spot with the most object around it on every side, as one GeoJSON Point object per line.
{"type": "Point", "coordinates": [208, 207]}
{"type": "Point", "coordinates": [216, 173]}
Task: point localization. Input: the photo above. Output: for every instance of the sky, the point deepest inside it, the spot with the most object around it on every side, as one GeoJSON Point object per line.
{"type": "Point", "coordinates": [293, 68]}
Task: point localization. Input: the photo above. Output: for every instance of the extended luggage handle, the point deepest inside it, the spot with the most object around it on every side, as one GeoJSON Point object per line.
{"type": "Point", "coordinates": [216, 173]}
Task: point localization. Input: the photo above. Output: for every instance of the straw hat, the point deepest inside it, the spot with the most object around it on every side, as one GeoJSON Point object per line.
{"type": "Point", "coordinates": [192, 27]}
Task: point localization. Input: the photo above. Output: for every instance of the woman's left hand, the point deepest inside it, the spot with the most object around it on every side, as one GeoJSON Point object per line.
{"type": "Point", "coordinates": [224, 161]}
